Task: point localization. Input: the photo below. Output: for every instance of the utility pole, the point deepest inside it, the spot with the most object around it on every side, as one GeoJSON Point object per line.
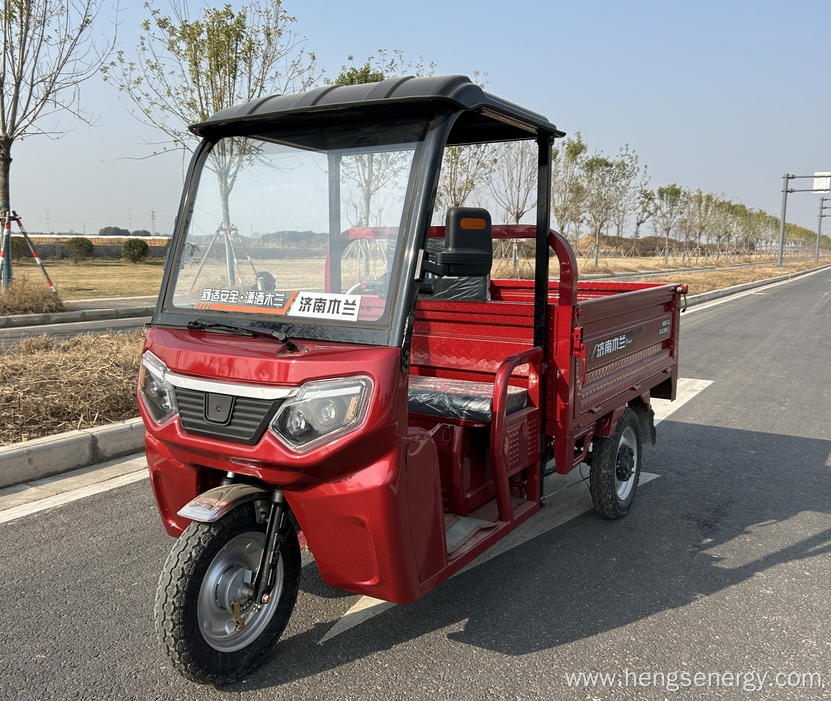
{"type": "Point", "coordinates": [152, 222]}
{"type": "Point", "coordinates": [785, 179]}
{"type": "Point", "coordinates": [822, 207]}
{"type": "Point", "coordinates": [822, 183]}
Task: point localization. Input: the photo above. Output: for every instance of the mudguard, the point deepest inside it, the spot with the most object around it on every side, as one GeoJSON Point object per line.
{"type": "Point", "coordinates": [212, 505]}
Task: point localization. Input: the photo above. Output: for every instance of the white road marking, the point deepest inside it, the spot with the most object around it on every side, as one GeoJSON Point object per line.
{"type": "Point", "coordinates": [73, 495]}
{"type": "Point", "coordinates": [685, 390]}
{"type": "Point", "coordinates": [565, 500]}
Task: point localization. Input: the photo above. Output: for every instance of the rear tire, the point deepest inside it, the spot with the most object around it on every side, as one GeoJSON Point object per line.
{"type": "Point", "coordinates": [204, 571]}
{"type": "Point", "coordinates": [616, 468]}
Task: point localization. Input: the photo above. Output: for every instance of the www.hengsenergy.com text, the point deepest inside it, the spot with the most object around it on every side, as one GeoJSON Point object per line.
{"type": "Point", "coordinates": [677, 680]}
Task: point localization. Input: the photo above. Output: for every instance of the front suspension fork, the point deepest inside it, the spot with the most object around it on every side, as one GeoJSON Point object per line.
{"type": "Point", "coordinates": [270, 556]}
{"type": "Point", "coordinates": [264, 581]}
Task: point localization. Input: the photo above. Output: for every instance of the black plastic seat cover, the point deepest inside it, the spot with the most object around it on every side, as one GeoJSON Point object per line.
{"type": "Point", "coordinates": [459, 399]}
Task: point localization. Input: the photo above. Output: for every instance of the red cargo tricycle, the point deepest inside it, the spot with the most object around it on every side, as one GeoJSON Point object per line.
{"type": "Point", "coordinates": [327, 359]}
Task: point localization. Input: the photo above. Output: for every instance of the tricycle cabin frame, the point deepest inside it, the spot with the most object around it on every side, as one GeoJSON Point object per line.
{"type": "Point", "coordinates": [372, 501]}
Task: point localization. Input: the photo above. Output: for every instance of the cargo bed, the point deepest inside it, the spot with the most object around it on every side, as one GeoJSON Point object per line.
{"type": "Point", "coordinates": [608, 345]}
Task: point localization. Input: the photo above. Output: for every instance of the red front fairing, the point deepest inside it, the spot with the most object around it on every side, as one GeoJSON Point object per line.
{"type": "Point", "coordinates": [369, 502]}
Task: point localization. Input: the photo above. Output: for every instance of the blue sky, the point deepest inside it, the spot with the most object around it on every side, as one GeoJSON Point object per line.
{"type": "Point", "coordinates": [723, 96]}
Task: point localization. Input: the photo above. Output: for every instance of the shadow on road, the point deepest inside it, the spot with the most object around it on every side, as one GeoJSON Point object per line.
{"type": "Point", "coordinates": [755, 502]}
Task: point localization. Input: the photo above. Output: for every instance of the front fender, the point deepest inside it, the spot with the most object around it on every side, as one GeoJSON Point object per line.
{"type": "Point", "coordinates": [212, 505]}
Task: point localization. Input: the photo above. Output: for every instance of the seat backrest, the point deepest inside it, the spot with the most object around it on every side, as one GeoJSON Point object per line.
{"type": "Point", "coordinates": [470, 288]}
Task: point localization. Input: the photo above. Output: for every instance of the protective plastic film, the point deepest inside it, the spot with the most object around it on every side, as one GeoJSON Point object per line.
{"type": "Point", "coordinates": [459, 399]}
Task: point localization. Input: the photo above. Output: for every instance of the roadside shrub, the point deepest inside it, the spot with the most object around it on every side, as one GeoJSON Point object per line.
{"type": "Point", "coordinates": [135, 250]}
{"type": "Point", "coordinates": [79, 249]}
{"type": "Point", "coordinates": [19, 248]}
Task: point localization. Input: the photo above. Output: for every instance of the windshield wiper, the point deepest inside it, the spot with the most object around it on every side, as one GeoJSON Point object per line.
{"type": "Point", "coordinates": [202, 325]}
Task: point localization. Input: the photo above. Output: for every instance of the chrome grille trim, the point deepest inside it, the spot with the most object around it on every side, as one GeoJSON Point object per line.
{"type": "Point", "coordinates": [238, 390]}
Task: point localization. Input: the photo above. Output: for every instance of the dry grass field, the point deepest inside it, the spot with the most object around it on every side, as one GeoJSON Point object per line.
{"type": "Point", "coordinates": [107, 278]}
{"type": "Point", "coordinates": [49, 386]}
{"type": "Point", "coordinates": [729, 277]}
{"type": "Point", "coordinates": [94, 278]}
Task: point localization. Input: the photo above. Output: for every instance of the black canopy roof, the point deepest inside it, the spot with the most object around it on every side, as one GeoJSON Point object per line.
{"type": "Point", "coordinates": [485, 117]}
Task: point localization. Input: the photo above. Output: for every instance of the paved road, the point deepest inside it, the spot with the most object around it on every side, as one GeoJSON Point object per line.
{"type": "Point", "coordinates": [722, 567]}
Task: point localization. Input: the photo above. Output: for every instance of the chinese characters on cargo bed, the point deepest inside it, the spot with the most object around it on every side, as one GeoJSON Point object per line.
{"type": "Point", "coordinates": [615, 344]}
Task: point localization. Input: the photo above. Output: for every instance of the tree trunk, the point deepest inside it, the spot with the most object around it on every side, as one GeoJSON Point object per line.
{"type": "Point", "coordinates": [224, 195]}
{"type": "Point", "coordinates": [5, 168]}
{"type": "Point", "coordinates": [5, 200]}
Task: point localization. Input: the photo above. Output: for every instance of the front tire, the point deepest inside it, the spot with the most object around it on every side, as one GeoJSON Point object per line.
{"type": "Point", "coordinates": [206, 576]}
{"type": "Point", "coordinates": [616, 468]}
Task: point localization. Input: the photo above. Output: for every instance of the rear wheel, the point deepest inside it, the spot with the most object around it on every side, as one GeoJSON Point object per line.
{"type": "Point", "coordinates": [616, 468]}
{"type": "Point", "coordinates": [206, 620]}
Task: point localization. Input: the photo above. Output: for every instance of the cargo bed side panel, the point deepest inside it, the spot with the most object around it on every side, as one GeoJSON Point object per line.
{"type": "Point", "coordinates": [630, 344]}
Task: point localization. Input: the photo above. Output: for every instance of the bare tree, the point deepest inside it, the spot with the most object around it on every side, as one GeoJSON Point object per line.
{"type": "Point", "coordinates": [719, 222]}
{"type": "Point", "coordinates": [700, 209]}
{"type": "Point", "coordinates": [625, 189]}
{"type": "Point", "coordinates": [463, 169]}
{"type": "Point", "coordinates": [370, 173]}
{"type": "Point", "coordinates": [188, 69]}
{"type": "Point", "coordinates": [669, 206]}
{"type": "Point", "coordinates": [568, 188]}
{"type": "Point", "coordinates": [514, 181]}
{"type": "Point", "coordinates": [644, 210]}
{"type": "Point", "coordinates": [48, 51]}
{"type": "Point", "coordinates": [600, 194]}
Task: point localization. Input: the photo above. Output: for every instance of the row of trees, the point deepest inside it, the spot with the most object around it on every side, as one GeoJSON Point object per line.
{"type": "Point", "coordinates": [606, 198]}
{"type": "Point", "coordinates": [186, 68]}
{"type": "Point", "coordinates": [611, 196]}
{"type": "Point", "coordinates": [118, 231]}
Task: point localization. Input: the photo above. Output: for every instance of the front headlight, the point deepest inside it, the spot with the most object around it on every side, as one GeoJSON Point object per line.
{"type": "Point", "coordinates": [322, 410]}
{"type": "Point", "coordinates": [154, 389]}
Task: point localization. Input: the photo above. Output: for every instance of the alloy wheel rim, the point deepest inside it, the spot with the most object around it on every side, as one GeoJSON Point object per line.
{"type": "Point", "coordinates": [229, 577]}
{"type": "Point", "coordinates": [626, 463]}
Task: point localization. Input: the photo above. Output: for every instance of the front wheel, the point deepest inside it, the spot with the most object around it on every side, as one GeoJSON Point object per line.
{"type": "Point", "coordinates": [206, 620]}
{"type": "Point", "coordinates": [616, 468]}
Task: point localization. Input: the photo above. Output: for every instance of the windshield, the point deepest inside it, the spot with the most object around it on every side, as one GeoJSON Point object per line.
{"type": "Point", "coordinates": [299, 233]}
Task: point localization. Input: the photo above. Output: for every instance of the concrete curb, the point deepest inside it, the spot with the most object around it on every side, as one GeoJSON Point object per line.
{"type": "Point", "coordinates": [69, 317]}
{"type": "Point", "coordinates": [52, 455]}
{"type": "Point", "coordinates": [43, 457]}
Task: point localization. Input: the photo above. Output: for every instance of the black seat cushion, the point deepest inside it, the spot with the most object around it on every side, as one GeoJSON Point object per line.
{"type": "Point", "coordinates": [459, 399]}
